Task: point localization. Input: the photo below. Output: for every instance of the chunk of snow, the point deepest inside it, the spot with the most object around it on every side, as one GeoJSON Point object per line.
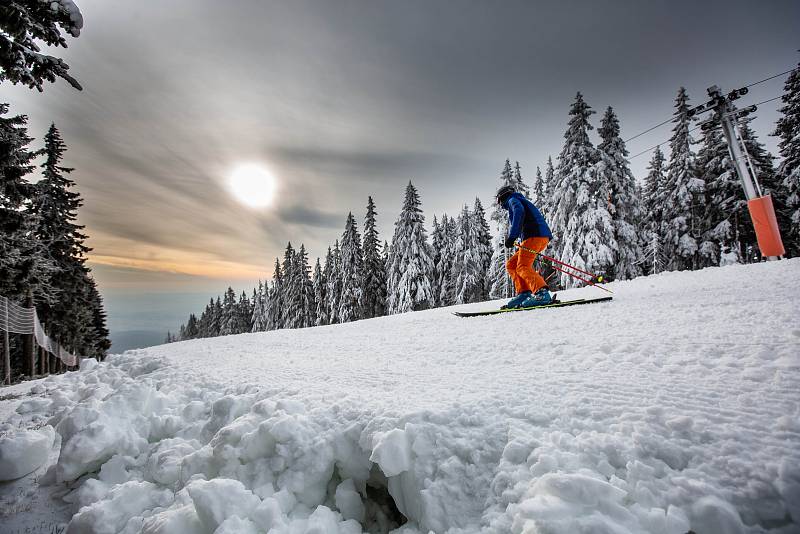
{"type": "Point", "coordinates": [24, 451]}
{"type": "Point", "coordinates": [392, 452]}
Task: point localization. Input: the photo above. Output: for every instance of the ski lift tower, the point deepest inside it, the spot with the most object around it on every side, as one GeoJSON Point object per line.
{"type": "Point", "coordinates": [762, 212]}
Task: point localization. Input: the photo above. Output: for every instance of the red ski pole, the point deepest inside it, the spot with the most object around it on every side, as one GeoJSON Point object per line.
{"type": "Point", "coordinates": [553, 261]}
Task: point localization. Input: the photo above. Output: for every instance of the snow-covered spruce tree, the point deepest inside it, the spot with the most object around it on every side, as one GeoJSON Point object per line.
{"type": "Point", "coordinates": [55, 208]}
{"type": "Point", "coordinates": [788, 130]}
{"type": "Point", "coordinates": [259, 318]}
{"type": "Point", "coordinates": [410, 263]}
{"type": "Point", "coordinates": [204, 323]}
{"type": "Point", "coordinates": [547, 188]}
{"type": "Point", "coordinates": [437, 249]}
{"type": "Point", "coordinates": [334, 276]}
{"type": "Point", "coordinates": [683, 200]}
{"type": "Point", "coordinates": [498, 281]}
{"type": "Point", "coordinates": [374, 299]}
{"type": "Point", "coordinates": [581, 222]}
{"type": "Point", "coordinates": [467, 272]}
{"type": "Point", "coordinates": [244, 314]}
{"type": "Point", "coordinates": [522, 187]}
{"type": "Point", "coordinates": [191, 330]}
{"type": "Point", "coordinates": [351, 301]}
{"type": "Point", "coordinates": [23, 263]}
{"type": "Point", "coordinates": [324, 307]}
{"type": "Point", "coordinates": [25, 25]}
{"type": "Point", "coordinates": [291, 288]}
{"type": "Point", "coordinates": [275, 303]}
{"type": "Point", "coordinates": [537, 196]}
{"type": "Point", "coordinates": [443, 259]}
{"type": "Point", "coordinates": [215, 325]}
{"type": "Point", "coordinates": [483, 245]}
{"type": "Point", "coordinates": [228, 317]}
{"type": "Point", "coordinates": [623, 202]}
{"type": "Point", "coordinates": [653, 189]}
{"type": "Point", "coordinates": [320, 290]}
{"type": "Point", "coordinates": [100, 342]}
{"type": "Point", "coordinates": [307, 306]}
{"type": "Point", "coordinates": [725, 214]}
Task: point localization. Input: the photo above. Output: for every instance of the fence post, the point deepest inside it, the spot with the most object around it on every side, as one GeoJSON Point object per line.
{"type": "Point", "coordinates": [28, 344]}
{"type": "Point", "coordinates": [6, 353]}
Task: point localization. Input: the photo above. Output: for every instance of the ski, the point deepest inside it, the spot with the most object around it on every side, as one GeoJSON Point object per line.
{"type": "Point", "coordinates": [557, 304]}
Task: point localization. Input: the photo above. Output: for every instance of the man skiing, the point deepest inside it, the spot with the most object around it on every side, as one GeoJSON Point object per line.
{"type": "Point", "coordinates": [527, 224]}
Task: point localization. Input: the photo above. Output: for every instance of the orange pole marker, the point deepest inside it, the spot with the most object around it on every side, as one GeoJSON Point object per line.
{"type": "Point", "coordinates": [768, 234]}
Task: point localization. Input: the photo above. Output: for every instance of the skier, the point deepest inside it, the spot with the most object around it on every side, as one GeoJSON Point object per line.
{"type": "Point", "coordinates": [527, 224]}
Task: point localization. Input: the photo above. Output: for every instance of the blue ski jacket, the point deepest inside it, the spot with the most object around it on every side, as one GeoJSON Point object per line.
{"type": "Point", "coordinates": [525, 219]}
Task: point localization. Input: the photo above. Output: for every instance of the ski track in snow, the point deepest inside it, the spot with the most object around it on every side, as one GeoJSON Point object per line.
{"type": "Point", "coordinates": [675, 406]}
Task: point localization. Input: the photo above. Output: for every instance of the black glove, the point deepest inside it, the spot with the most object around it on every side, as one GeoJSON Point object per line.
{"type": "Point", "coordinates": [510, 242]}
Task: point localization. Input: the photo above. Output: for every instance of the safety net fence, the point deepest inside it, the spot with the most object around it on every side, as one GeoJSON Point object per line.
{"type": "Point", "coordinates": [16, 319]}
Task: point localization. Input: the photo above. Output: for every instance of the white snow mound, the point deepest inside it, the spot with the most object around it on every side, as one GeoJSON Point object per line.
{"type": "Point", "coordinates": [24, 451]}
{"type": "Point", "coordinates": [674, 407]}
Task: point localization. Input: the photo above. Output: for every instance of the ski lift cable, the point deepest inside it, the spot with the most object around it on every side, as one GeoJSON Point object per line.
{"type": "Point", "coordinates": [771, 77]}
{"type": "Point", "coordinates": [659, 144]}
{"type": "Point", "coordinates": [697, 127]}
{"type": "Point", "coordinates": [672, 117]}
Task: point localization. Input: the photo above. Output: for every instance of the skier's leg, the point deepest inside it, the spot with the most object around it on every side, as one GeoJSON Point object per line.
{"type": "Point", "coordinates": [525, 271]}
{"type": "Point", "coordinates": [511, 268]}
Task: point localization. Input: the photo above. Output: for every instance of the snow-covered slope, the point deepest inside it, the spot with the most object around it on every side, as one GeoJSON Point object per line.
{"type": "Point", "coordinates": [674, 407]}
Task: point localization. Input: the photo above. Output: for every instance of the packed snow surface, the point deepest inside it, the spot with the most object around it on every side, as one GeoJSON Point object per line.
{"type": "Point", "coordinates": [674, 407]}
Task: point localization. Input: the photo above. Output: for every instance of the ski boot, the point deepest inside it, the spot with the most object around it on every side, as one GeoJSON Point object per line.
{"type": "Point", "coordinates": [516, 301]}
{"type": "Point", "coordinates": [540, 298]}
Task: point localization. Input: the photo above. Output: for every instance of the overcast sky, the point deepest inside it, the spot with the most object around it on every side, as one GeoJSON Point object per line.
{"type": "Point", "coordinates": [345, 99]}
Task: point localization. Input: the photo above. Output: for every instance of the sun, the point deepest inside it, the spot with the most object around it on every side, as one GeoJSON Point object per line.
{"type": "Point", "coordinates": [253, 185]}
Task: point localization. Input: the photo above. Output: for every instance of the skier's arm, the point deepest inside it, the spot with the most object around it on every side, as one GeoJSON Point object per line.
{"type": "Point", "coordinates": [516, 213]}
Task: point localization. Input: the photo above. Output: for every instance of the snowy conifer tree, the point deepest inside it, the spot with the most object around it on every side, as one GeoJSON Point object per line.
{"type": "Point", "coordinates": [623, 202]}
{"type": "Point", "coordinates": [684, 204]}
{"type": "Point", "coordinates": [652, 211]}
{"type": "Point", "coordinates": [410, 263]}
{"type": "Point", "coordinates": [55, 207]}
{"type": "Point", "coordinates": [215, 324]}
{"type": "Point", "coordinates": [520, 183]}
{"type": "Point", "coordinates": [26, 25]}
{"type": "Point", "coordinates": [23, 265]}
{"type": "Point", "coordinates": [437, 249]}
{"type": "Point", "coordinates": [788, 130]}
{"type": "Point", "coordinates": [228, 320]}
{"type": "Point", "coordinates": [537, 197]}
{"type": "Point", "coordinates": [320, 290]}
{"type": "Point", "coordinates": [334, 277]}
{"type": "Point", "coordinates": [725, 211]}
{"type": "Point", "coordinates": [275, 303]}
{"type": "Point", "coordinates": [443, 270]}
{"type": "Point", "coordinates": [292, 307]}
{"type": "Point", "coordinates": [374, 299]}
{"type": "Point", "coordinates": [467, 273]}
{"type": "Point", "coordinates": [547, 187]}
{"type": "Point", "coordinates": [191, 327]}
{"type": "Point", "coordinates": [307, 306]}
{"type": "Point", "coordinates": [580, 216]}
{"type": "Point", "coordinates": [259, 318]}
{"type": "Point", "coordinates": [351, 301]}
{"type": "Point", "coordinates": [482, 241]}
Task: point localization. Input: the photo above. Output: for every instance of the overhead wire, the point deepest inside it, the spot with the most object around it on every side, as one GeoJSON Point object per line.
{"type": "Point", "coordinates": [671, 118]}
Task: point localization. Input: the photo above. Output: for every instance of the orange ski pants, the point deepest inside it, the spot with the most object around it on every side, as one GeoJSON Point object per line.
{"type": "Point", "coordinates": [520, 266]}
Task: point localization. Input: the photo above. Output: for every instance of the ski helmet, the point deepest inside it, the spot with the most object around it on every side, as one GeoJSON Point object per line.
{"type": "Point", "coordinates": [504, 192]}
